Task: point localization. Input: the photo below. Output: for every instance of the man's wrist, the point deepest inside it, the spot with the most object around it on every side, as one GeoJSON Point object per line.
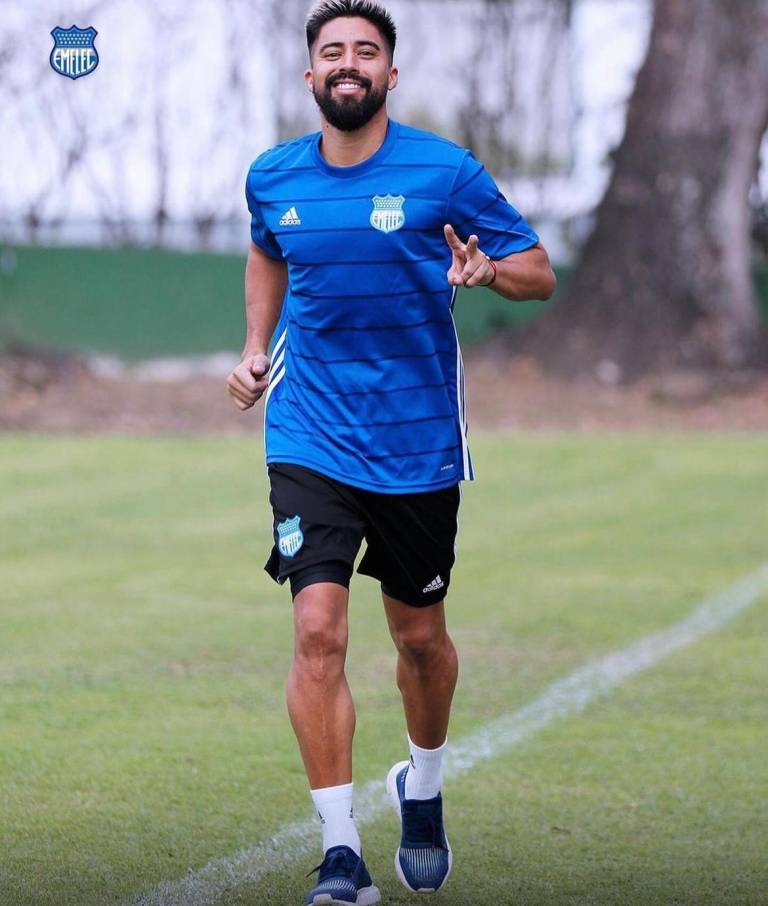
{"type": "Point", "coordinates": [249, 353]}
{"type": "Point", "coordinates": [495, 270]}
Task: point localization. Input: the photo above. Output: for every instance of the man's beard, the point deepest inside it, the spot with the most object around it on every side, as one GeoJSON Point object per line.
{"type": "Point", "coordinates": [349, 114]}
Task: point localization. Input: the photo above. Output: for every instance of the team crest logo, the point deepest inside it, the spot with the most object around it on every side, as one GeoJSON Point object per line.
{"type": "Point", "coordinates": [73, 53]}
{"type": "Point", "coordinates": [388, 214]}
{"type": "Point", "coordinates": [290, 537]}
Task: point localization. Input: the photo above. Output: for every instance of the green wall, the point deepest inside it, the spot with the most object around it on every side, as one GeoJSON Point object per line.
{"type": "Point", "coordinates": [144, 303]}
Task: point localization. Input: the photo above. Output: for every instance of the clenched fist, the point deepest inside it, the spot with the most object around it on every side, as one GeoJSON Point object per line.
{"type": "Point", "coordinates": [248, 381]}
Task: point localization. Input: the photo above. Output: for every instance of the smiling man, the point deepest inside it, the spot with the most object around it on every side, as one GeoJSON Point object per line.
{"type": "Point", "coordinates": [358, 248]}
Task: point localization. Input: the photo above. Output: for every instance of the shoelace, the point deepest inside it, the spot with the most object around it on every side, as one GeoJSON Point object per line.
{"type": "Point", "coordinates": [423, 828]}
{"type": "Point", "coordinates": [330, 865]}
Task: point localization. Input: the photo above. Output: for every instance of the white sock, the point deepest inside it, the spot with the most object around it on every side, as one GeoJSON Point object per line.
{"type": "Point", "coordinates": [425, 772]}
{"type": "Point", "coordinates": [334, 807]}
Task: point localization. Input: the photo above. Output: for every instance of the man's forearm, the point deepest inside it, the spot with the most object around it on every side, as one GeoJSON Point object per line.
{"type": "Point", "coordinates": [525, 275]}
{"type": "Point", "coordinates": [265, 285]}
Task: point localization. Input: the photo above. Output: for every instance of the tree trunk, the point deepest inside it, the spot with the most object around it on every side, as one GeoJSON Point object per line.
{"type": "Point", "coordinates": [665, 278]}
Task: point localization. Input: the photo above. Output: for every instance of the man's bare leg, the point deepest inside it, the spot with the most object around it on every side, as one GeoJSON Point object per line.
{"type": "Point", "coordinates": [427, 669]}
{"type": "Point", "coordinates": [319, 701]}
{"type": "Point", "coordinates": [321, 708]}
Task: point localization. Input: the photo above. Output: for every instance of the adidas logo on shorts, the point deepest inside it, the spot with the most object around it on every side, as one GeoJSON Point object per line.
{"type": "Point", "coordinates": [435, 585]}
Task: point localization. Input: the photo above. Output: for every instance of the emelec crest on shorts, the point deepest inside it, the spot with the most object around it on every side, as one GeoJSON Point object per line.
{"type": "Point", "coordinates": [388, 214]}
{"type": "Point", "coordinates": [290, 537]}
{"type": "Point", "coordinates": [73, 53]}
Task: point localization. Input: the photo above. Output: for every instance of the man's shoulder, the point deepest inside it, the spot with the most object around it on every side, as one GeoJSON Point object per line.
{"type": "Point", "coordinates": [421, 143]}
{"type": "Point", "coordinates": [285, 156]}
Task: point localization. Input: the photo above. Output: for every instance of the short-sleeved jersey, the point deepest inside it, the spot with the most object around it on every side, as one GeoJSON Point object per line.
{"type": "Point", "coordinates": [367, 381]}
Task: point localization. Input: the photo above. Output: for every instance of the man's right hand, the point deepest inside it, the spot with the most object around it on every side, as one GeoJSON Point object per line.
{"type": "Point", "coordinates": [248, 381]}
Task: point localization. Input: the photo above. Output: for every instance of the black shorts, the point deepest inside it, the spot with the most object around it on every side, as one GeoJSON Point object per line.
{"type": "Point", "coordinates": [320, 524]}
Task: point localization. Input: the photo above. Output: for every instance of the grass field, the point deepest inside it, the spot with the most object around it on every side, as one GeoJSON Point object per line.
{"type": "Point", "coordinates": [144, 653]}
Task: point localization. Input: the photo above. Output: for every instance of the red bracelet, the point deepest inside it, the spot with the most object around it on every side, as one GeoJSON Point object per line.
{"type": "Point", "coordinates": [495, 272]}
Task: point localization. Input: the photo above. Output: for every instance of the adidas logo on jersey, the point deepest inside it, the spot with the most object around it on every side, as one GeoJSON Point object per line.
{"type": "Point", "coordinates": [435, 585]}
{"type": "Point", "coordinates": [290, 218]}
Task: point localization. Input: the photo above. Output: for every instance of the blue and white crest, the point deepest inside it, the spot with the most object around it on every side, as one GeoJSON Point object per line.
{"type": "Point", "coordinates": [73, 53]}
{"type": "Point", "coordinates": [388, 214]}
{"type": "Point", "coordinates": [290, 537]}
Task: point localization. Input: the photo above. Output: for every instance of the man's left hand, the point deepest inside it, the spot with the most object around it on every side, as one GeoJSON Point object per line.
{"type": "Point", "coordinates": [470, 267]}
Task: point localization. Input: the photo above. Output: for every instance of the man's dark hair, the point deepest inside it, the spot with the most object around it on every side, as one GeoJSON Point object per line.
{"type": "Point", "coordinates": [328, 10]}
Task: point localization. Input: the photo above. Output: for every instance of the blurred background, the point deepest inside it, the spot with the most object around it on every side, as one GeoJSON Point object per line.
{"type": "Point", "coordinates": [630, 132]}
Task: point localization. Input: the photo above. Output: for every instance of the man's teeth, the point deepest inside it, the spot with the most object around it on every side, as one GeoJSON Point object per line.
{"type": "Point", "coordinates": [348, 85]}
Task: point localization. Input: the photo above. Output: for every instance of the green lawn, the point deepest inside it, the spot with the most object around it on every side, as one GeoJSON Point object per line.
{"type": "Point", "coordinates": [144, 653]}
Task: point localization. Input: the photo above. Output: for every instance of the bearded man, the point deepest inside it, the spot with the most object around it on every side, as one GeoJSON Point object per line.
{"type": "Point", "coordinates": [355, 260]}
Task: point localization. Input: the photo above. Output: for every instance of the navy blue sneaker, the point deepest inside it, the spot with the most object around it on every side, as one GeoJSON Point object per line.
{"type": "Point", "coordinates": [343, 880]}
{"type": "Point", "coordinates": [423, 860]}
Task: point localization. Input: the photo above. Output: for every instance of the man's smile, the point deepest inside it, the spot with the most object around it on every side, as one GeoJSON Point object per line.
{"type": "Point", "coordinates": [348, 87]}
{"type": "Point", "coordinates": [348, 84]}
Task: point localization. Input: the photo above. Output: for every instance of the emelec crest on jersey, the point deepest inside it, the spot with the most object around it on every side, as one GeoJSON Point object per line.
{"type": "Point", "coordinates": [73, 53]}
{"type": "Point", "coordinates": [290, 537]}
{"type": "Point", "coordinates": [388, 214]}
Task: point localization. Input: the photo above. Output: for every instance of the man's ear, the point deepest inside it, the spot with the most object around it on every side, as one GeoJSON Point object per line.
{"type": "Point", "coordinates": [394, 74]}
{"type": "Point", "coordinates": [308, 79]}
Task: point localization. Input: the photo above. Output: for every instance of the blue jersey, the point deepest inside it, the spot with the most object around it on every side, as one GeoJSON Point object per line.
{"type": "Point", "coordinates": [367, 380]}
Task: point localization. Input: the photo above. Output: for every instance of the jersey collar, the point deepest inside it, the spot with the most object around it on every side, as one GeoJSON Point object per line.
{"type": "Point", "coordinates": [384, 151]}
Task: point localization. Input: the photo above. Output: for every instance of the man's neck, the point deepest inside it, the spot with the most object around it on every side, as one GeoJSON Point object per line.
{"type": "Point", "coordinates": [345, 149]}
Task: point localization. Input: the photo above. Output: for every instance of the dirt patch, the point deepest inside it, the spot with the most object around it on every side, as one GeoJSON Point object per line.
{"type": "Point", "coordinates": [514, 393]}
{"type": "Point", "coordinates": [60, 394]}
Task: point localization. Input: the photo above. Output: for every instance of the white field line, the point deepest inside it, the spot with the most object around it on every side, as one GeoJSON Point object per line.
{"type": "Point", "coordinates": [569, 695]}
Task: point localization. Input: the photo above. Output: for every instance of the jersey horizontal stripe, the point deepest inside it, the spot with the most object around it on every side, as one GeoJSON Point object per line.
{"type": "Point", "coordinates": [337, 231]}
{"type": "Point", "coordinates": [468, 182]}
{"type": "Point", "coordinates": [297, 199]}
{"type": "Point", "coordinates": [432, 139]}
{"type": "Point", "coordinates": [367, 328]}
{"type": "Point", "coordinates": [482, 210]}
{"type": "Point", "coordinates": [359, 423]}
{"type": "Point", "coordinates": [410, 292]}
{"type": "Point", "coordinates": [385, 261]}
{"type": "Point", "coordinates": [504, 233]}
{"type": "Point", "coordinates": [372, 391]}
{"type": "Point", "coordinates": [391, 358]}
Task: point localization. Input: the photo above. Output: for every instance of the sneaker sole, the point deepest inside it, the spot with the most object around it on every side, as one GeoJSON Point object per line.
{"type": "Point", "coordinates": [395, 799]}
{"type": "Point", "coordinates": [366, 896]}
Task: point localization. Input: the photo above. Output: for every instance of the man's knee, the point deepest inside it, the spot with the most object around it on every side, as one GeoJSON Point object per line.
{"type": "Point", "coordinates": [420, 641]}
{"type": "Point", "coordinates": [320, 627]}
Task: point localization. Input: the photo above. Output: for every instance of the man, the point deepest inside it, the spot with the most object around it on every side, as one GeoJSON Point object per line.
{"type": "Point", "coordinates": [357, 253]}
